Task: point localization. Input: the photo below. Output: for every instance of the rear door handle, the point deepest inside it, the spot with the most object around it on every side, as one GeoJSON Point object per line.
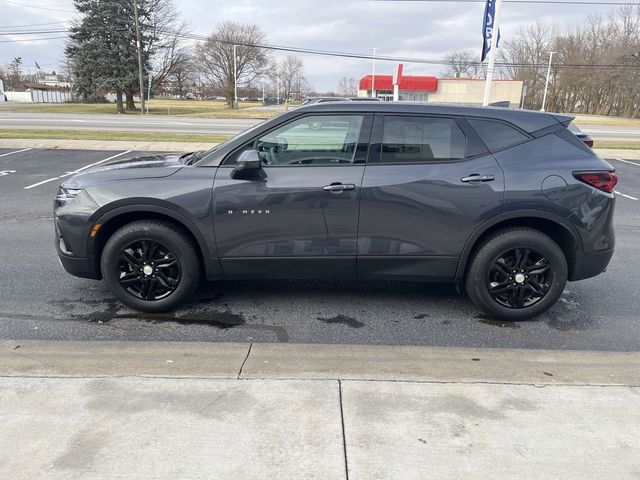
{"type": "Point", "coordinates": [338, 187]}
{"type": "Point", "coordinates": [478, 178]}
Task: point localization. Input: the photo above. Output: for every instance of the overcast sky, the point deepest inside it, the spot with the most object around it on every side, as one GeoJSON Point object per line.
{"type": "Point", "coordinates": [407, 29]}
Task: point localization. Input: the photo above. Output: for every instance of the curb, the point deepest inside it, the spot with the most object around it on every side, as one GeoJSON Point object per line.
{"type": "Point", "coordinates": [30, 358]}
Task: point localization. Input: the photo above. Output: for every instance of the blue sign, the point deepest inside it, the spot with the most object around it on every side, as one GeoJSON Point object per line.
{"type": "Point", "coordinates": [487, 28]}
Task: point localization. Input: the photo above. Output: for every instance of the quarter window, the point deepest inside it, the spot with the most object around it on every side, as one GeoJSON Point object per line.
{"type": "Point", "coordinates": [417, 139]}
{"type": "Point", "coordinates": [497, 135]}
{"type": "Point", "coordinates": [312, 140]}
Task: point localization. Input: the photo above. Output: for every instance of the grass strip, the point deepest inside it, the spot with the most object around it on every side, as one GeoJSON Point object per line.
{"type": "Point", "coordinates": [51, 134]}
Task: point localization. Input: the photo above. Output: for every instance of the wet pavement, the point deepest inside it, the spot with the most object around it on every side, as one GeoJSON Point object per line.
{"type": "Point", "coordinates": [38, 300]}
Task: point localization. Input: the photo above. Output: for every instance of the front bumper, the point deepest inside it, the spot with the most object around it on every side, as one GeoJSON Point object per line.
{"type": "Point", "coordinates": [590, 264]}
{"type": "Point", "coordinates": [79, 266]}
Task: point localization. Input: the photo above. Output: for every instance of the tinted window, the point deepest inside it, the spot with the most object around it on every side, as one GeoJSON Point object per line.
{"type": "Point", "coordinates": [317, 140]}
{"type": "Point", "coordinates": [415, 139]}
{"type": "Point", "coordinates": [497, 135]}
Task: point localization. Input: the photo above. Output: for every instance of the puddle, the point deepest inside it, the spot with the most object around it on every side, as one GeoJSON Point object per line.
{"type": "Point", "coordinates": [496, 323]}
{"type": "Point", "coordinates": [342, 319]}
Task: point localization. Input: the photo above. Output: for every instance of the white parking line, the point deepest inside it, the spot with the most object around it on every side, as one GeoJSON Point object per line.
{"type": "Point", "coordinates": [17, 151]}
{"type": "Point", "coordinates": [625, 195]}
{"type": "Point", "coordinates": [76, 171]}
{"type": "Point", "coordinates": [627, 161]}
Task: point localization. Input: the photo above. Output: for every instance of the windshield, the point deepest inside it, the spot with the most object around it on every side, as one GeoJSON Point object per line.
{"type": "Point", "coordinates": [204, 155]}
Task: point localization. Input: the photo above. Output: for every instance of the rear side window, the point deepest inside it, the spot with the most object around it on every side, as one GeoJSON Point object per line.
{"type": "Point", "coordinates": [497, 135]}
{"type": "Point", "coordinates": [417, 139]}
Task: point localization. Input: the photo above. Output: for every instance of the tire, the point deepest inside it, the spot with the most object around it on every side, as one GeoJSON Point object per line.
{"type": "Point", "coordinates": [492, 285]}
{"type": "Point", "coordinates": [148, 278]}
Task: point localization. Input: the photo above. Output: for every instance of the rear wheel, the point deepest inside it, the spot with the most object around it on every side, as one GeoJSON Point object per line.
{"type": "Point", "coordinates": [150, 266]}
{"type": "Point", "coordinates": [517, 274]}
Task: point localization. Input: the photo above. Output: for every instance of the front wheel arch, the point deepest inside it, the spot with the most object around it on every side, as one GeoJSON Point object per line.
{"type": "Point", "coordinates": [114, 220]}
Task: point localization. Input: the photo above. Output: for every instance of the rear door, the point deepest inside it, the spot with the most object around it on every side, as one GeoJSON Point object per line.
{"type": "Point", "coordinates": [298, 216]}
{"type": "Point", "coordinates": [429, 183]}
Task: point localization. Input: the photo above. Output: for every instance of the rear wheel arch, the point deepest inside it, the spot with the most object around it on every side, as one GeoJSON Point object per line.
{"type": "Point", "coordinates": [115, 219]}
{"type": "Point", "coordinates": [554, 226]}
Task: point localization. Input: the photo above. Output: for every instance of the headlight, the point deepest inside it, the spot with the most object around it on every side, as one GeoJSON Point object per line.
{"type": "Point", "coordinates": [66, 195]}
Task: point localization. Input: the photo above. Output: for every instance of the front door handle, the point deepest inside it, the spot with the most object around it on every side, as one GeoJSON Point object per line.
{"type": "Point", "coordinates": [477, 178]}
{"type": "Point", "coordinates": [338, 187]}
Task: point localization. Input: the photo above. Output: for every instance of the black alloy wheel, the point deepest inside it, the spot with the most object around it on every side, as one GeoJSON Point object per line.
{"type": "Point", "coordinates": [519, 278]}
{"type": "Point", "coordinates": [516, 274]}
{"type": "Point", "coordinates": [148, 270]}
{"type": "Point", "coordinates": [151, 265]}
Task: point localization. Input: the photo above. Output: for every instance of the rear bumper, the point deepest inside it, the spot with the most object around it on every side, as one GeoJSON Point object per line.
{"type": "Point", "coordinates": [590, 264]}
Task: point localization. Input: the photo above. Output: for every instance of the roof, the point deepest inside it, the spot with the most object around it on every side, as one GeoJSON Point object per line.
{"type": "Point", "coordinates": [407, 82]}
{"type": "Point", "coordinates": [527, 120]}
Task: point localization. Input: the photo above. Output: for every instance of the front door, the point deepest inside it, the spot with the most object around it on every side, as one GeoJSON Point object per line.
{"type": "Point", "coordinates": [297, 216]}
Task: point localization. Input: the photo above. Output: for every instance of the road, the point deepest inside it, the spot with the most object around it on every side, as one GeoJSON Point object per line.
{"type": "Point", "coordinates": [139, 123]}
{"type": "Point", "coordinates": [38, 300]}
{"type": "Point", "coordinates": [223, 126]}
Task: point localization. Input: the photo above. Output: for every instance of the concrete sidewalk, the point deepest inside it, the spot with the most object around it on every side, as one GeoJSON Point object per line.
{"type": "Point", "coordinates": [194, 410]}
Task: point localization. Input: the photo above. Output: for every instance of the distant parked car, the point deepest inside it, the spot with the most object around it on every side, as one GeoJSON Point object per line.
{"type": "Point", "coordinates": [507, 204]}
{"type": "Point", "coordinates": [314, 100]}
{"type": "Point", "coordinates": [365, 99]}
{"type": "Point", "coordinates": [586, 138]}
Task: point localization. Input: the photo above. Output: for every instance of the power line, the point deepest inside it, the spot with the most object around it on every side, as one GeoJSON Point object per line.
{"type": "Point", "coordinates": [31, 40]}
{"type": "Point", "coordinates": [546, 2]}
{"type": "Point", "coordinates": [329, 53]}
{"type": "Point", "coordinates": [33, 24]}
{"type": "Point", "coordinates": [18, 4]}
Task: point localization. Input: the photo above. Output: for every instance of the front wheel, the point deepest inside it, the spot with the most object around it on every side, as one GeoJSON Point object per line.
{"type": "Point", "coordinates": [150, 266]}
{"type": "Point", "coordinates": [517, 274]}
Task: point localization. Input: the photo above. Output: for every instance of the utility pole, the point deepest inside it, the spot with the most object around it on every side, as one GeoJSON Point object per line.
{"type": "Point", "coordinates": [373, 74]}
{"type": "Point", "coordinates": [492, 53]}
{"type": "Point", "coordinates": [235, 77]}
{"type": "Point", "coordinates": [139, 45]}
{"type": "Point", "coordinates": [149, 91]}
{"type": "Point", "coordinates": [546, 83]}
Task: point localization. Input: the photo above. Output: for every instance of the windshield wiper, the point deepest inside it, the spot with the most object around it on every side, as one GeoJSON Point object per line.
{"type": "Point", "coordinates": [191, 158]}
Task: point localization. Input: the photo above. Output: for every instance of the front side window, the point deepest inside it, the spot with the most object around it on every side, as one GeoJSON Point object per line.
{"type": "Point", "coordinates": [312, 140]}
{"type": "Point", "coordinates": [418, 139]}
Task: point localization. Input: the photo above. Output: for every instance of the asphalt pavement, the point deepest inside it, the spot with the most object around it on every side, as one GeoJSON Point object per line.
{"type": "Point", "coordinates": [38, 300]}
{"type": "Point", "coordinates": [138, 123]}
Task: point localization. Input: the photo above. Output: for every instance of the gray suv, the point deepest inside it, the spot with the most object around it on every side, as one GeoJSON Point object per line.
{"type": "Point", "coordinates": [507, 204]}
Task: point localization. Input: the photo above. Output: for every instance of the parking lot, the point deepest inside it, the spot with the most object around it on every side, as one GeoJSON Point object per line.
{"type": "Point", "coordinates": [38, 300]}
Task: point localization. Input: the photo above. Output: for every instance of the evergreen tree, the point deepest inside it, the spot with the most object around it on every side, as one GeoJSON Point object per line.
{"type": "Point", "coordinates": [102, 49]}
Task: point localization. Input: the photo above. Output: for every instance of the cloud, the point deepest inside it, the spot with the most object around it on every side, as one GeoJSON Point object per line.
{"type": "Point", "coordinates": [406, 29]}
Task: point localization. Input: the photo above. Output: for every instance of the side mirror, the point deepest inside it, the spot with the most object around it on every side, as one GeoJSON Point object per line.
{"type": "Point", "coordinates": [247, 164]}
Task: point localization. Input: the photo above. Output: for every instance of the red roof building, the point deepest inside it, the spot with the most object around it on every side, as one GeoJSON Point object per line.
{"type": "Point", "coordinates": [424, 88]}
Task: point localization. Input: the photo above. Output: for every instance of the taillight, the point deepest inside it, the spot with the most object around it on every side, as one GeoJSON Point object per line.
{"type": "Point", "coordinates": [604, 181]}
{"type": "Point", "coordinates": [588, 143]}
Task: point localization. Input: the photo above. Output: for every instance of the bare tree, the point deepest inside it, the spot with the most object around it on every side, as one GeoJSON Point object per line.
{"type": "Point", "coordinates": [526, 56]}
{"type": "Point", "coordinates": [214, 57]}
{"type": "Point", "coordinates": [288, 73]}
{"type": "Point", "coordinates": [463, 63]}
{"type": "Point", "coordinates": [348, 87]}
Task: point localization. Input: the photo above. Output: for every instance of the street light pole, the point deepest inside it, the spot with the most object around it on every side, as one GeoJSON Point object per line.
{"type": "Point", "coordinates": [373, 74]}
{"type": "Point", "coordinates": [546, 83]}
{"type": "Point", "coordinates": [235, 77]}
{"type": "Point", "coordinates": [139, 45]}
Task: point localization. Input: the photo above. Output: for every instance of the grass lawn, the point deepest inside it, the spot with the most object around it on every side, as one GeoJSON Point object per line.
{"type": "Point", "coordinates": [606, 121]}
{"type": "Point", "coordinates": [617, 144]}
{"type": "Point", "coordinates": [191, 108]}
{"type": "Point", "coordinates": [109, 135]}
